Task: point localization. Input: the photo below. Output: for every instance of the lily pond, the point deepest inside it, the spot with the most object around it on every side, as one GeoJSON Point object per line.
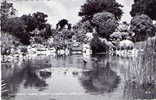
{"type": "Point", "coordinates": [101, 77]}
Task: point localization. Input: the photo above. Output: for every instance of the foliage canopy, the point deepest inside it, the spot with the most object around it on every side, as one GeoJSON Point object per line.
{"type": "Point", "coordinates": [92, 7]}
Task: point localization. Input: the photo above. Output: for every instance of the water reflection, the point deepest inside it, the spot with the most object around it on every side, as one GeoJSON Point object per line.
{"type": "Point", "coordinates": [12, 79]}
{"type": "Point", "coordinates": [13, 75]}
{"type": "Point", "coordinates": [101, 78]}
{"type": "Point", "coordinates": [32, 79]}
{"type": "Point", "coordinates": [103, 75]}
{"type": "Point", "coordinates": [141, 81]}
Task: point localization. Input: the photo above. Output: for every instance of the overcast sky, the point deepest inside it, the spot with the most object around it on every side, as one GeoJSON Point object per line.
{"type": "Point", "coordinates": [58, 9]}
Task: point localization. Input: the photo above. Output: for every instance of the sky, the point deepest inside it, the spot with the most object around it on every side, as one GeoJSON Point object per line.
{"type": "Point", "coordinates": [59, 9]}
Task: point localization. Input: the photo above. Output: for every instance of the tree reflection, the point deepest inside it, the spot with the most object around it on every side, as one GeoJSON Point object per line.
{"type": "Point", "coordinates": [12, 79]}
{"type": "Point", "coordinates": [33, 80]}
{"type": "Point", "coordinates": [141, 83]}
{"type": "Point", "coordinates": [101, 78]}
{"type": "Point", "coordinates": [16, 76]}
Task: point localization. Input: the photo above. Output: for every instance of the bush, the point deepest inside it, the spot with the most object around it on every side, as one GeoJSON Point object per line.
{"type": "Point", "coordinates": [97, 45]}
{"type": "Point", "coordinates": [62, 38]}
{"type": "Point", "coordinates": [8, 42]}
{"type": "Point", "coordinates": [67, 34]}
{"type": "Point", "coordinates": [143, 27]}
{"type": "Point", "coordinates": [23, 49]}
{"type": "Point", "coordinates": [105, 23]}
{"type": "Point", "coordinates": [80, 30]}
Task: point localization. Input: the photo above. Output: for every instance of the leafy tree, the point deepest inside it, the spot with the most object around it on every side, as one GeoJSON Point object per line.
{"type": "Point", "coordinates": [29, 22]}
{"type": "Point", "coordinates": [40, 19]}
{"type": "Point", "coordinates": [46, 32]}
{"type": "Point", "coordinates": [7, 42]}
{"type": "Point", "coordinates": [105, 23]}
{"type": "Point", "coordinates": [143, 27]}
{"type": "Point", "coordinates": [147, 7]}
{"type": "Point", "coordinates": [67, 34]}
{"type": "Point", "coordinates": [7, 9]}
{"type": "Point", "coordinates": [36, 20]}
{"type": "Point", "coordinates": [122, 33]}
{"type": "Point", "coordinates": [80, 30]}
{"type": "Point", "coordinates": [61, 24]}
{"type": "Point", "coordinates": [21, 27]}
{"type": "Point", "coordinates": [16, 27]}
{"type": "Point", "coordinates": [86, 26]}
{"type": "Point", "coordinates": [92, 7]}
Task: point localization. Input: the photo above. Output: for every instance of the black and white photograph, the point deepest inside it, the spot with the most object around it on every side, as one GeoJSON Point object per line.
{"type": "Point", "coordinates": [78, 49]}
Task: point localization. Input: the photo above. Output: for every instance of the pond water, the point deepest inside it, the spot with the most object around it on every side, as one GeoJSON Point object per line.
{"type": "Point", "coordinates": [102, 77]}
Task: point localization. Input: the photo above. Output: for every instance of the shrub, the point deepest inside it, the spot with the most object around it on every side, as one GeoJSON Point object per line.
{"type": "Point", "coordinates": [97, 45]}
{"type": "Point", "coordinates": [80, 30]}
{"type": "Point", "coordinates": [143, 27]}
{"type": "Point", "coordinates": [8, 42]}
{"type": "Point", "coordinates": [105, 23]}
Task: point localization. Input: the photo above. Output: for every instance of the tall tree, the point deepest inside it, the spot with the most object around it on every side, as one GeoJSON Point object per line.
{"type": "Point", "coordinates": [16, 27]}
{"type": "Point", "coordinates": [36, 20]}
{"type": "Point", "coordinates": [95, 6]}
{"type": "Point", "coordinates": [30, 23]}
{"type": "Point", "coordinates": [147, 7]}
{"type": "Point", "coordinates": [7, 9]}
{"type": "Point", "coordinates": [40, 19]}
{"type": "Point", "coordinates": [105, 24]}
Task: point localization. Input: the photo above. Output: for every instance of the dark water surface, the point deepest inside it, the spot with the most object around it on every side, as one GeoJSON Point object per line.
{"type": "Point", "coordinates": [103, 77]}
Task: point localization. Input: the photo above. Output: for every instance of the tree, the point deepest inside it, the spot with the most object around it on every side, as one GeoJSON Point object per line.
{"type": "Point", "coordinates": [37, 21]}
{"type": "Point", "coordinates": [143, 27]}
{"type": "Point", "coordinates": [46, 32]}
{"type": "Point", "coordinates": [21, 27]}
{"type": "Point", "coordinates": [122, 33]}
{"type": "Point", "coordinates": [92, 7]}
{"type": "Point", "coordinates": [61, 24]}
{"type": "Point", "coordinates": [16, 27]}
{"type": "Point", "coordinates": [86, 26]}
{"type": "Point", "coordinates": [147, 7]}
{"type": "Point", "coordinates": [7, 9]}
{"type": "Point", "coordinates": [7, 42]}
{"type": "Point", "coordinates": [67, 34]}
{"type": "Point", "coordinates": [105, 24]}
{"type": "Point", "coordinates": [29, 22]}
{"type": "Point", "coordinates": [40, 19]}
{"type": "Point", "coordinates": [80, 30]}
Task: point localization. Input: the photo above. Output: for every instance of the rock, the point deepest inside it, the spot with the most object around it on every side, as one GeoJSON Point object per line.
{"type": "Point", "coordinates": [45, 73]}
